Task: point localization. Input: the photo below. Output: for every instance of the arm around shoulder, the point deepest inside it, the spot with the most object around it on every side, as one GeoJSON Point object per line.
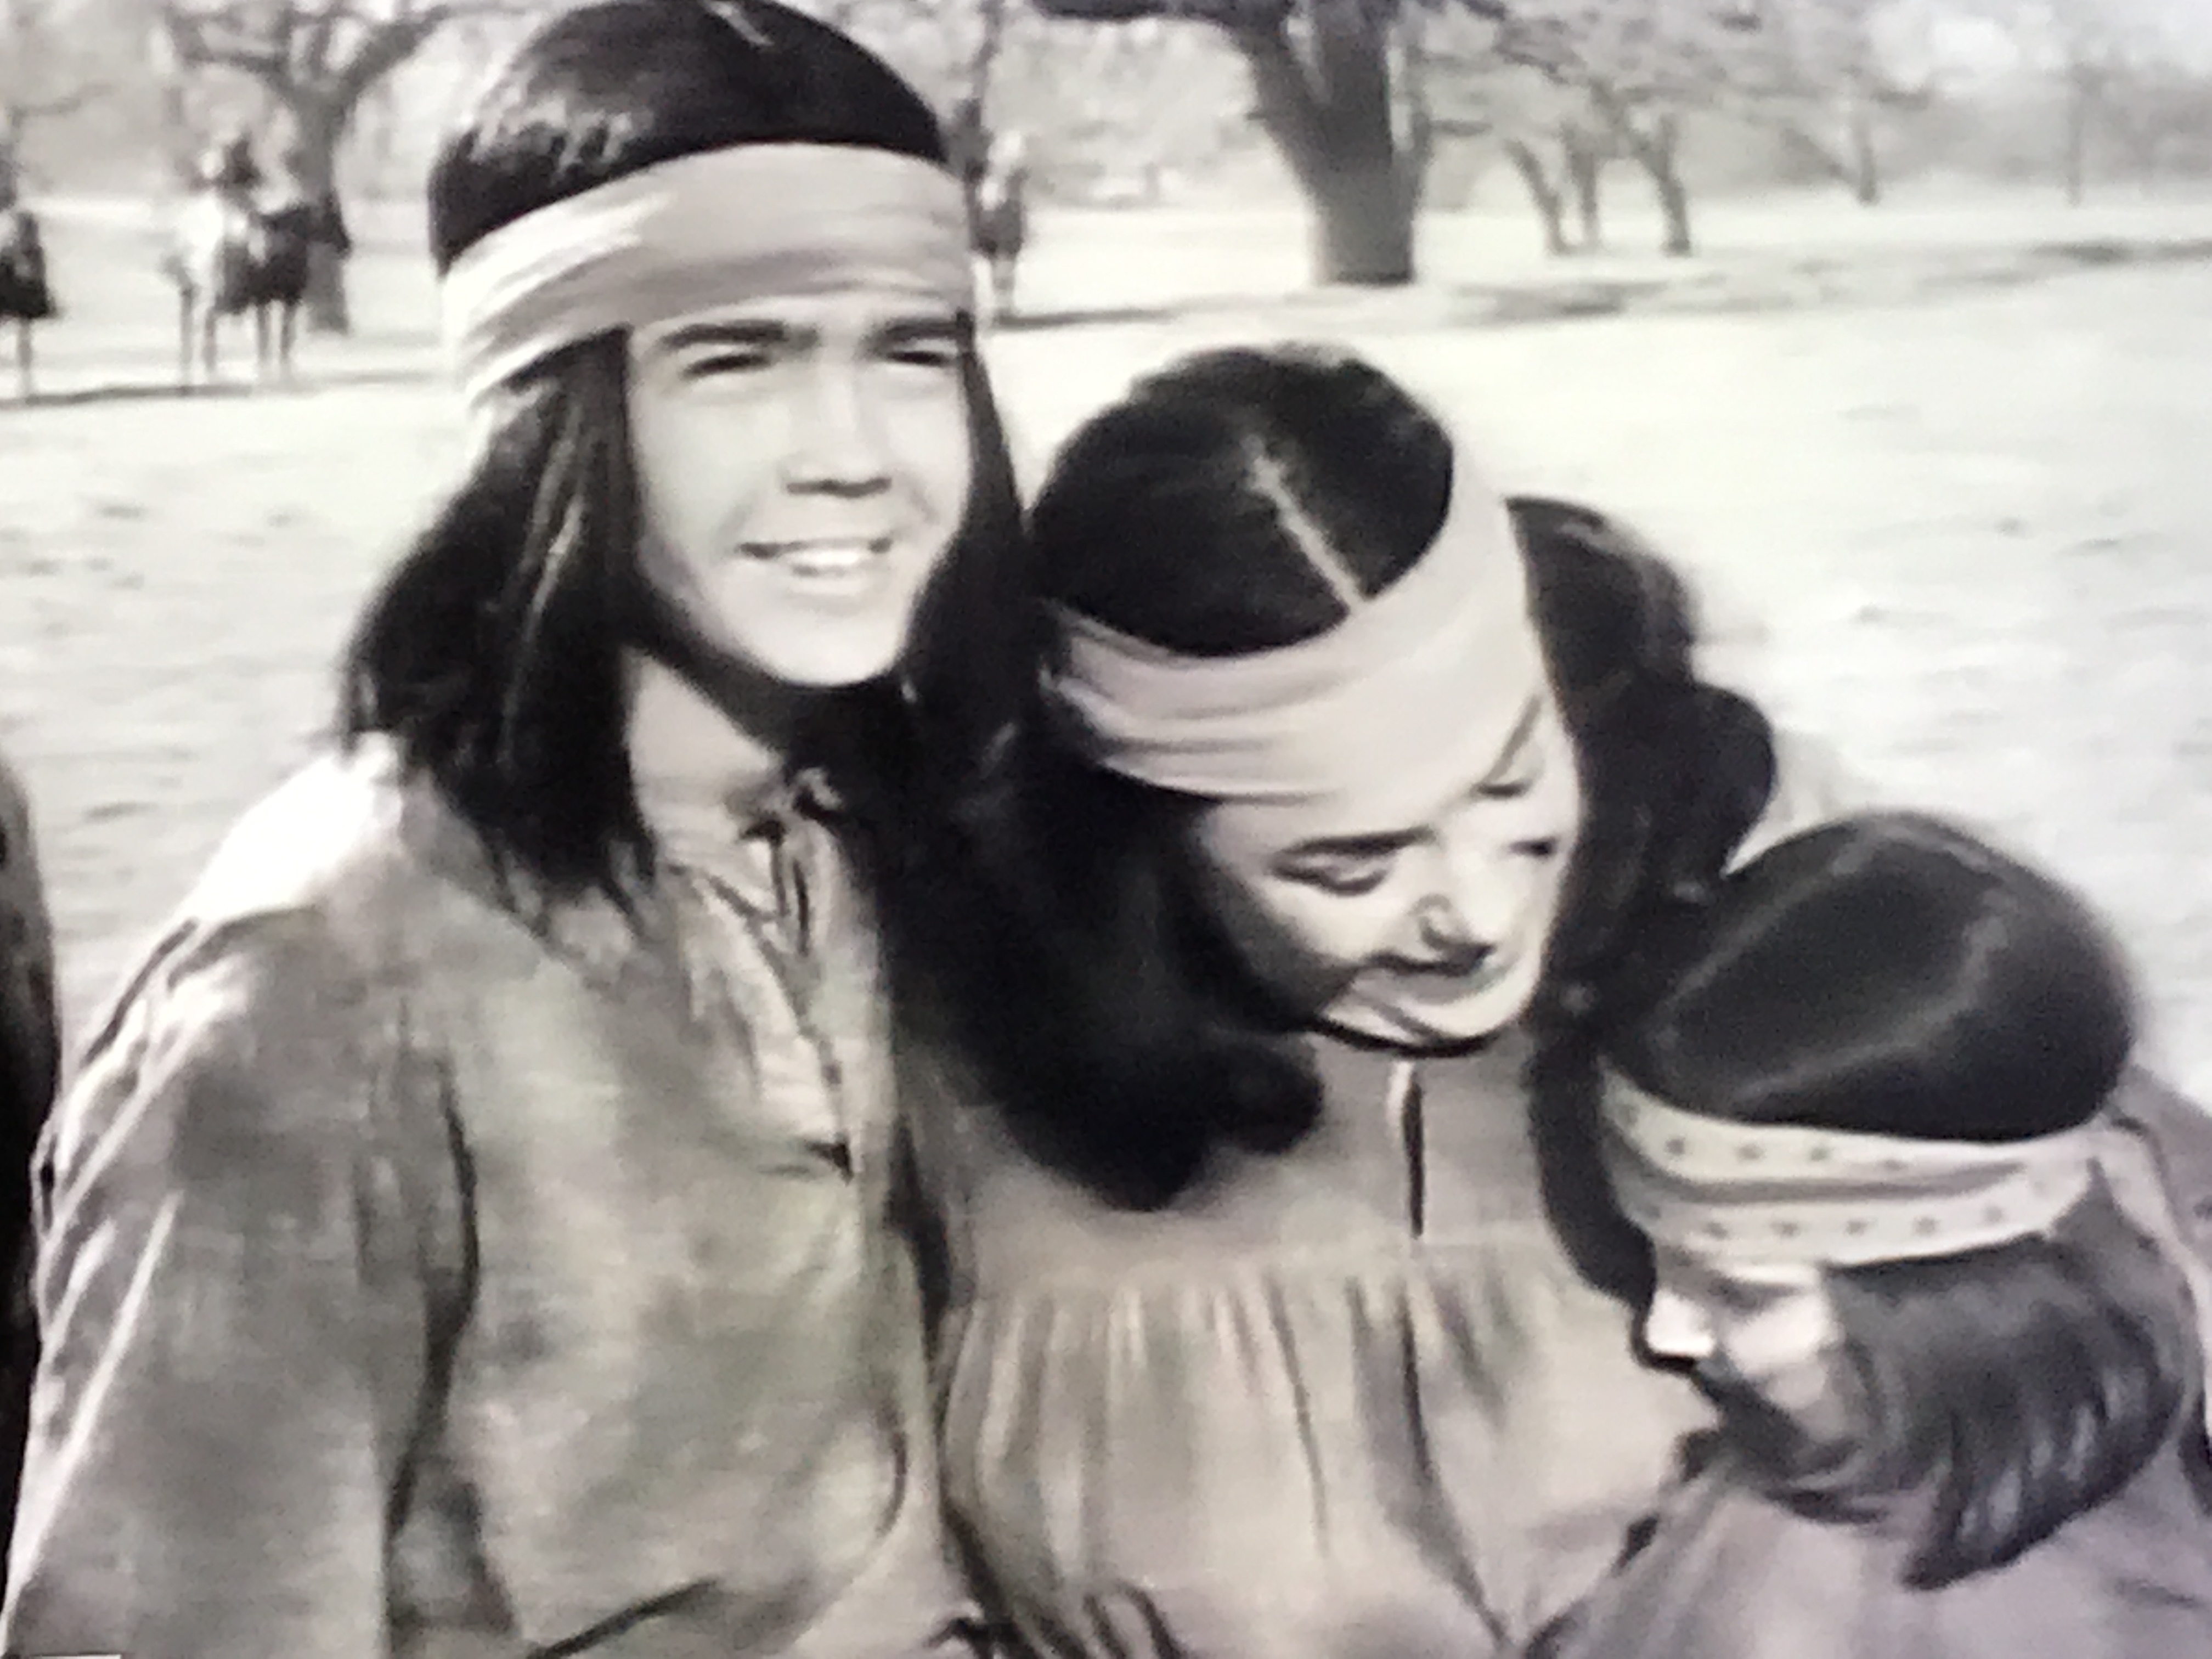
{"type": "Point", "coordinates": [236, 1290]}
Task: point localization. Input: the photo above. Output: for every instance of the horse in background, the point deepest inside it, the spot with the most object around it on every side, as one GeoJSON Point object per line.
{"type": "Point", "coordinates": [26, 298]}
{"type": "Point", "coordinates": [998, 217]}
{"type": "Point", "coordinates": [230, 257]}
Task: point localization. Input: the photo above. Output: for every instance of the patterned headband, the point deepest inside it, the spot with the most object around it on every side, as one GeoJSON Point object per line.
{"type": "Point", "coordinates": [1769, 1194]}
{"type": "Point", "coordinates": [703, 230]}
{"type": "Point", "coordinates": [1764, 1192]}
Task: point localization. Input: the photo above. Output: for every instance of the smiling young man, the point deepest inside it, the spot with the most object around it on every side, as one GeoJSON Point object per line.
{"type": "Point", "coordinates": [471, 1233]}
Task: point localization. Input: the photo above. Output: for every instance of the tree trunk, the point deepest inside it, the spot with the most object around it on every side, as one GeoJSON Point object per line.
{"type": "Point", "coordinates": [1363, 228]}
{"type": "Point", "coordinates": [1544, 195]}
{"type": "Point", "coordinates": [1331, 118]}
{"type": "Point", "coordinates": [313, 159]}
{"type": "Point", "coordinates": [1866, 157]}
{"type": "Point", "coordinates": [176, 124]}
{"type": "Point", "coordinates": [1586, 174]}
{"type": "Point", "coordinates": [1659, 155]}
{"type": "Point", "coordinates": [2079, 100]}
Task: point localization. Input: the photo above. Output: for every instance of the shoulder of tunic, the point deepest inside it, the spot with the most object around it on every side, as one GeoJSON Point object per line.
{"type": "Point", "coordinates": [352, 839]}
{"type": "Point", "coordinates": [273, 1012]}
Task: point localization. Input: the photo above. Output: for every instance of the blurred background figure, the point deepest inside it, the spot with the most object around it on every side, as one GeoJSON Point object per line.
{"type": "Point", "coordinates": [30, 1053]}
{"type": "Point", "coordinates": [25, 297]}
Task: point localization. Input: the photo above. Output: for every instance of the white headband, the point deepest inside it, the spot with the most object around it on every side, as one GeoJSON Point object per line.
{"type": "Point", "coordinates": [1767, 1194]}
{"type": "Point", "coordinates": [1388, 692]}
{"type": "Point", "coordinates": [702, 230]}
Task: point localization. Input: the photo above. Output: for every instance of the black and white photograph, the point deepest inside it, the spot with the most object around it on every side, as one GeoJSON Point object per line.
{"type": "Point", "coordinates": [1105, 829]}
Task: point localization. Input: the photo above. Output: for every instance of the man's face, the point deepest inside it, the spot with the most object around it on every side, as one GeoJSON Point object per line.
{"type": "Point", "coordinates": [1761, 1339]}
{"type": "Point", "coordinates": [803, 464]}
{"type": "Point", "coordinates": [1419, 919]}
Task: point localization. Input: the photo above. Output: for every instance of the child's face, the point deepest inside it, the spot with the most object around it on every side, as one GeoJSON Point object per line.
{"type": "Point", "coordinates": [1763, 1333]}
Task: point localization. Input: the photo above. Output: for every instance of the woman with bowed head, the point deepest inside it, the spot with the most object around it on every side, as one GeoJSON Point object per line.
{"type": "Point", "coordinates": [471, 1231]}
{"type": "Point", "coordinates": [1285, 1310]}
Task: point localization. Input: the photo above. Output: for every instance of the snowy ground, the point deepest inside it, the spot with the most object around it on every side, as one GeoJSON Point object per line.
{"type": "Point", "coordinates": [1944, 472]}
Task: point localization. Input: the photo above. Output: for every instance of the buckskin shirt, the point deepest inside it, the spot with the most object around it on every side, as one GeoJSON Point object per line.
{"type": "Point", "coordinates": [417, 1283]}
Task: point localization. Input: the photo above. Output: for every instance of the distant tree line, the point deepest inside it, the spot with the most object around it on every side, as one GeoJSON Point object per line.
{"type": "Point", "coordinates": [1375, 109]}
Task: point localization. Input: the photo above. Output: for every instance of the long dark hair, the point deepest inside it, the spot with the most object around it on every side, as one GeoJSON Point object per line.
{"type": "Point", "coordinates": [1890, 975]}
{"type": "Point", "coordinates": [1142, 1047]}
{"type": "Point", "coordinates": [494, 652]}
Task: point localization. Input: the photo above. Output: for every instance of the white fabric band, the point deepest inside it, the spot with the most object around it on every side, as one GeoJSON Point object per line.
{"type": "Point", "coordinates": [1388, 692]}
{"type": "Point", "coordinates": [686, 235]}
{"type": "Point", "coordinates": [1768, 1194]}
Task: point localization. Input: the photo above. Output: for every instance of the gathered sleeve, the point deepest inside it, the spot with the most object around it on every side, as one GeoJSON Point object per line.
{"type": "Point", "coordinates": [245, 1264]}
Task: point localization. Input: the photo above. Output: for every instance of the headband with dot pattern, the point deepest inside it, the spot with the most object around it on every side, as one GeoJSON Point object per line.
{"type": "Point", "coordinates": [1766, 1195]}
{"type": "Point", "coordinates": [1773, 1193]}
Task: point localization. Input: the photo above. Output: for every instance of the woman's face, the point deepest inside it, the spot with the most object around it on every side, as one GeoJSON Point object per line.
{"type": "Point", "coordinates": [1414, 912]}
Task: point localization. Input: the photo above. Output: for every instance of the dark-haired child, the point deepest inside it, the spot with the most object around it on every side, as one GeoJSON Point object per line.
{"type": "Point", "coordinates": [1863, 1106]}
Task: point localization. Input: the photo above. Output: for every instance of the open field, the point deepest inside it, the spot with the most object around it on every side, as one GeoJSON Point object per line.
{"type": "Point", "coordinates": [1946, 474]}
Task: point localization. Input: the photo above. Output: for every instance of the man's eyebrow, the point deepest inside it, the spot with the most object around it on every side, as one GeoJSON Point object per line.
{"type": "Point", "coordinates": [920, 328]}
{"type": "Point", "coordinates": [755, 333]}
{"type": "Point", "coordinates": [733, 332]}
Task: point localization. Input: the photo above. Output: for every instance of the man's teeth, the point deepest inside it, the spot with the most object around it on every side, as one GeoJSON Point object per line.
{"type": "Point", "coordinates": [827, 558]}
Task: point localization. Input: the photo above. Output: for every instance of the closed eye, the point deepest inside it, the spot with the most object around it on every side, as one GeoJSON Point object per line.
{"type": "Point", "coordinates": [922, 357]}
{"type": "Point", "coordinates": [1351, 882]}
{"type": "Point", "coordinates": [935, 347]}
{"type": "Point", "coordinates": [730, 360]}
{"type": "Point", "coordinates": [1343, 873]}
{"type": "Point", "coordinates": [702, 350]}
{"type": "Point", "coordinates": [1743, 1301]}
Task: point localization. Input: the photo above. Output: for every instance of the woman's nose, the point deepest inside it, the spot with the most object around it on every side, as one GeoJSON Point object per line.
{"type": "Point", "coordinates": [1675, 1327]}
{"type": "Point", "coordinates": [1444, 933]}
{"type": "Point", "coordinates": [1482, 888]}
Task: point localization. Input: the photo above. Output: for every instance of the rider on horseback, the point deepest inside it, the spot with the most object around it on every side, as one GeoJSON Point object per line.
{"type": "Point", "coordinates": [228, 166]}
{"type": "Point", "coordinates": [25, 296]}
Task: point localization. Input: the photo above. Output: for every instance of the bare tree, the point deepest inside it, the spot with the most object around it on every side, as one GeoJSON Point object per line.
{"type": "Point", "coordinates": [317, 61]}
{"type": "Point", "coordinates": [2164, 124]}
{"type": "Point", "coordinates": [1325, 84]}
{"type": "Point", "coordinates": [2097, 54]}
{"type": "Point", "coordinates": [1823, 78]}
{"type": "Point", "coordinates": [1642, 66]}
{"type": "Point", "coordinates": [1469, 89]}
{"type": "Point", "coordinates": [50, 66]}
{"type": "Point", "coordinates": [1119, 110]}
